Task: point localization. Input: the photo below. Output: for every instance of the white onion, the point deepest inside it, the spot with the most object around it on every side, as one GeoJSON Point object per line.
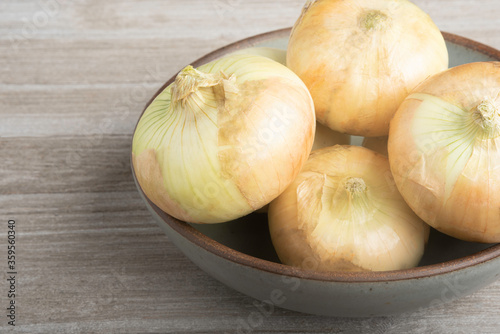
{"type": "Point", "coordinates": [361, 58]}
{"type": "Point", "coordinates": [444, 150]}
{"type": "Point", "coordinates": [225, 139]}
{"type": "Point", "coordinates": [343, 213]}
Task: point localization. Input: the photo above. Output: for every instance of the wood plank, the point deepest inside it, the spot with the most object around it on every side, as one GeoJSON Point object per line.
{"type": "Point", "coordinates": [66, 165]}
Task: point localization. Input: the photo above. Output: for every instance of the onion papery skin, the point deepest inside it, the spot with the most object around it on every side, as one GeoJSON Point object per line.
{"type": "Point", "coordinates": [444, 151]}
{"type": "Point", "coordinates": [224, 140]}
{"type": "Point", "coordinates": [343, 213]}
{"type": "Point", "coordinates": [361, 58]}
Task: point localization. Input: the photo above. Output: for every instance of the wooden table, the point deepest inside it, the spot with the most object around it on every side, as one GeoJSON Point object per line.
{"type": "Point", "coordinates": [74, 77]}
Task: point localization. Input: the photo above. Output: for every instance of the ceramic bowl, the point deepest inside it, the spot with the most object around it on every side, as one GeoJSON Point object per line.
{"type": "Point", "coordinates": [240, 253]}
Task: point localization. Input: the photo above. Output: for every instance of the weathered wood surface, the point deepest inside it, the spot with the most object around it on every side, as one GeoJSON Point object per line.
{"type": "Point", "coordinates": [74, 76]}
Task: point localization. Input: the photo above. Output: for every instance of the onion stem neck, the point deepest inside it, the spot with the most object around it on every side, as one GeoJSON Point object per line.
{"type": "Point", "coordinates": [355, 186]}
{"type": "Point", "coordinates": [308, 4]}
{"type": "Point", "coordinates": [190, 80]}
{"type": "Point", "coordinates": [373, 19]}
{"type": "Point", "coordinates": [487, 115]}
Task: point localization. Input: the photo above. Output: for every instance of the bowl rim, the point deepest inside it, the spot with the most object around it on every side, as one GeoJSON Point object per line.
{"type": "Point", "coordinates": [210, 245]}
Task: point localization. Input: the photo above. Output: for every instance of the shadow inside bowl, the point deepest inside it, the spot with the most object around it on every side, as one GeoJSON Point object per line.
{"type": "Point", "coordinates": [250, 235]}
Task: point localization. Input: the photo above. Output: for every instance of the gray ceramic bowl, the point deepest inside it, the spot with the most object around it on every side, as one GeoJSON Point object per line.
{"type": "Point", "coordinates": [240, 253]}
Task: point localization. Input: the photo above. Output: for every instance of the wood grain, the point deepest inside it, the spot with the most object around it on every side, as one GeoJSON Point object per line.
{"type": "Point", "coordinates": [74, 77]}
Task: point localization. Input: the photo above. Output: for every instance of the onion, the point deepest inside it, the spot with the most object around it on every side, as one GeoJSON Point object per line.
{"type": "Point", "coordinates": [361, 58]}
{"type": "Point", "coordinates": [223, 140]}
{"type": "Point", "coordinates": [444, 151]}
{"type": "Point", "coordinates": [343, 212]}
{"type": "Point", "coordinates": [377, 144]}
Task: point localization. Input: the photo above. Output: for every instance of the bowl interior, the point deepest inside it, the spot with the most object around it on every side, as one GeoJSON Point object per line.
{"type": "Point", "coordinates": [250, 235]}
